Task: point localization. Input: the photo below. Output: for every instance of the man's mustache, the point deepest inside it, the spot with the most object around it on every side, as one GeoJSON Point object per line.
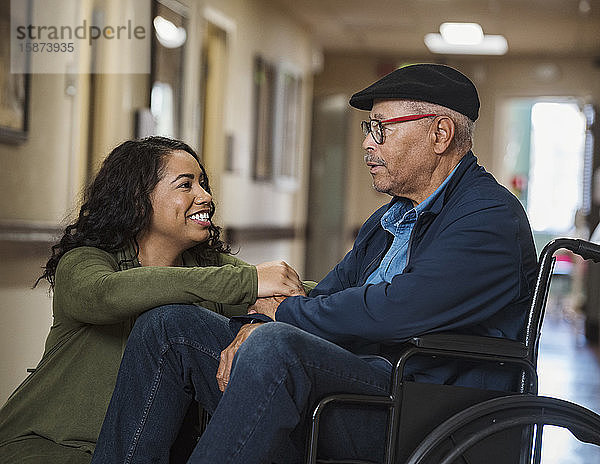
{"type": "Point", "coordinates": [370, 158]}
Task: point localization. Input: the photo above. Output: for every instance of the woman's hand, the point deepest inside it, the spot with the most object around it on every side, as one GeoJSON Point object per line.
{"type": "Point", "coordinates": [277, 278]}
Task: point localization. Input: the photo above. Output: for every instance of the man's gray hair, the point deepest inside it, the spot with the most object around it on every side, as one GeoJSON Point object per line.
{"type": "Point", "coordinates": [463, 126]}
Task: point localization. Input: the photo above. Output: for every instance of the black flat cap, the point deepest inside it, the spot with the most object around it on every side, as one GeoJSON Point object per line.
{"type": "Point", "coordinates": [433, 83]}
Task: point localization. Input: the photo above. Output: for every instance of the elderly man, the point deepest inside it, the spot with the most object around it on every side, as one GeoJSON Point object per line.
{"type": "Point", "coordinates": [452, 251]}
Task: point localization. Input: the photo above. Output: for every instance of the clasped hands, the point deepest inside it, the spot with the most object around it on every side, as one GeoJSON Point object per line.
{"type": "Point", "coordinates": [276, 281]}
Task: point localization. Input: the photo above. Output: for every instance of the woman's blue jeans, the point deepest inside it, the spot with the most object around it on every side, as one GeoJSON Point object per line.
{"type": "Point", "coordinates": [279, 373]}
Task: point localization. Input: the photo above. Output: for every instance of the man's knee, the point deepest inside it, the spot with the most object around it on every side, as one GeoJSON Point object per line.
{"type": "Point", "coordinates": [274, 340]}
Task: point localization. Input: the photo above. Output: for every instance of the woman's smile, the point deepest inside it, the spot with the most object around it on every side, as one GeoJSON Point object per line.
{"type": "Point", "coordinates": [201, 218]}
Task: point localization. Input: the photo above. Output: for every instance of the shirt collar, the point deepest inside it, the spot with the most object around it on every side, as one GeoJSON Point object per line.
{"type": "Point", "coordinates": [431, 198]}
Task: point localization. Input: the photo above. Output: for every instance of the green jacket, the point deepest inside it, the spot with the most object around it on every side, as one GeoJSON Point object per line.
{"type": "Point", "coordinates": [58, 409]}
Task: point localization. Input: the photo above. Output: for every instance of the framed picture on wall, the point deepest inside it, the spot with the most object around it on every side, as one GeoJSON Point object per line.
{"type": "Point", "coordinates": [288, 127]}
{"type": "Point", "coordinates": [277, 123]}
{"type": "Point", "coordinates": [264, 113]}
{"type": "Point", "coordinates": [14, 88]}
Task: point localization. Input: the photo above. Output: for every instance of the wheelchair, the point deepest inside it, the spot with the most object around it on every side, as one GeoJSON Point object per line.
{"type": "Point", "coordinates": [468, 425]}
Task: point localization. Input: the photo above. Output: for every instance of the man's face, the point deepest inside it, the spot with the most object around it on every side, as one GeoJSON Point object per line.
{"type": "Point", "coordinates": [403, 164]}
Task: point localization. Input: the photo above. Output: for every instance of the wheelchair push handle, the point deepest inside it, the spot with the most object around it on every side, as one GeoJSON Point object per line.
{"type": "Point", "coordinates": [588, 250]}
{"type": "Point", "coordinates": [583, 248]}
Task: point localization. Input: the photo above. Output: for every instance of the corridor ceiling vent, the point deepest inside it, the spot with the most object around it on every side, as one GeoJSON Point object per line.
{"type": "Point", "coordinates": [465, 39]}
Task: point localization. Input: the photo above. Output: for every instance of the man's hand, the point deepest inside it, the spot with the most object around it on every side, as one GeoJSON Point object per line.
{"type": "Point", "coordinates": [266, 306]}
{"type": "Point", "coordinates": [228, 353]}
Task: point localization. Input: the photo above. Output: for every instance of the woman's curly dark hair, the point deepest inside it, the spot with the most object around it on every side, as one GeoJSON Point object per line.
{"type": "Point", "coordinates": [117, 207]}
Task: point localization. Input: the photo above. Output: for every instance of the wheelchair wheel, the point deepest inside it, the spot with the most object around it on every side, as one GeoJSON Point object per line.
{"type": "Point", "coordinates": [483, 420]}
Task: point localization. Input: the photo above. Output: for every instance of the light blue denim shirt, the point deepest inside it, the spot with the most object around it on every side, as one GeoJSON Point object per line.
{"type": "Point", "coordinates": [400, 220]}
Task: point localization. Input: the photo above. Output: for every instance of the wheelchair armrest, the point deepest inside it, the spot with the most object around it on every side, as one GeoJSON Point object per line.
{"type": "Point", "coordinates": [468, 347]}
{"type": "Point", "coordinates": [471, 344]}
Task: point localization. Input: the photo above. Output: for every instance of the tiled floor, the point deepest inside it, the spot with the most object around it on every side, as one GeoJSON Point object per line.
{"type": "Point", "coordinates": [568, 369]}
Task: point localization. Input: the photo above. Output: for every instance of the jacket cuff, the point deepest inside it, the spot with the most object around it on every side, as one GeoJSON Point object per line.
{"type": "Point", "coordinates": [236, 322]}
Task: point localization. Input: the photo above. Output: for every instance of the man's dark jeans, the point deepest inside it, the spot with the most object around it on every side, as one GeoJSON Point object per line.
{"type": "Point", "coordinates": [279, 373]}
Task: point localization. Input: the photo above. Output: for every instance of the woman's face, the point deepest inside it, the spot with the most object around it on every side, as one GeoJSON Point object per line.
{"type": "Point", "coordinates": [180, 204]}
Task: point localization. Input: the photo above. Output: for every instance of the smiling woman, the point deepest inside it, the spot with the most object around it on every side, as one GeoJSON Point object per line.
{"type": "Point", "coordinates": [144, 237]}
{"type": "Point", "coordinates": [182, 208]}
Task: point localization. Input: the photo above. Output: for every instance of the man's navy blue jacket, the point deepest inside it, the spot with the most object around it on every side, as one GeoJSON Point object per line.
{"type": "Point", "coordinates": [470, 269]}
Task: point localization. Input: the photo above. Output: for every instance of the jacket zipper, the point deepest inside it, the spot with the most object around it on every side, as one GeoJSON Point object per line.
{"type": "Point", "coordinates": [379, 256]}
{"type": "Point", "coordinates": [368, 273]}
{"type": "Point", "coordinates": [412, 235]}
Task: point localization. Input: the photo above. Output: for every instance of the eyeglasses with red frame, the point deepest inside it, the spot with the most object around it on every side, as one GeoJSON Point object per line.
{"type": "Point", "coordinates": [375, 126]}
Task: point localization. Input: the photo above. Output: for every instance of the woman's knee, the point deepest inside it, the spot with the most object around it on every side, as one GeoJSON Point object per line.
{"type": "Point", "coordinates": [170, 319]}
{"type": "Point", "coordinates": [157, 316]}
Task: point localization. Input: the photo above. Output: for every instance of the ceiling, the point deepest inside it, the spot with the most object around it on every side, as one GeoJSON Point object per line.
{"type": "Point", "coordinates": [532, 27]}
